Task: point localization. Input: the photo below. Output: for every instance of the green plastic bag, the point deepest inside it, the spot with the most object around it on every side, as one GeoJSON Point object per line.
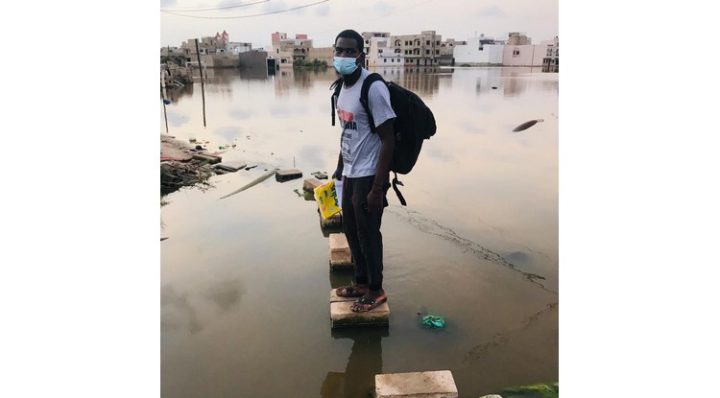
{"type": "Point", "coordinates": [433, 321]}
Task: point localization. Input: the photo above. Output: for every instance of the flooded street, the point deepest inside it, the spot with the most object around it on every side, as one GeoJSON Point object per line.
{"type": "Point", "coordinates": [245, 280]}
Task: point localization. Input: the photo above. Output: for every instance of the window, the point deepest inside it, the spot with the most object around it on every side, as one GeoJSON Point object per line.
{"type": "Point", "coordinates": [427, 51]}
{"type": "Point", "coordinates": [437, 51]}
{"type": "Point", "coordinates": [437, 43]}
{"type": "Point", "coordinates": [385, 60]}
{"type": "Point", "coordinates": [516, 52]}
{"type": "Point", "coordinates": [427, 42]}
{"type": "Point", "coordinates": [380, 51]}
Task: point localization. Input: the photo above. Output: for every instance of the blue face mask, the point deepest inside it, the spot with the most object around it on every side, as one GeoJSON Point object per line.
{"type": "Point", "coordinates": [345, 66]}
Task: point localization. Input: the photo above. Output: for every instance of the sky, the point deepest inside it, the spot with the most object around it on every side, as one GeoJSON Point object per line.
{"type": "Point", "coordinates": [458, 19]}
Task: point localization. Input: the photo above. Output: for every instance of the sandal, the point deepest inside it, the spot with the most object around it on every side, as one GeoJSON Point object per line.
{"type": "Point", "coordinates": [351, 291]}
{"type": "Point", "coordinates": [366, 303]}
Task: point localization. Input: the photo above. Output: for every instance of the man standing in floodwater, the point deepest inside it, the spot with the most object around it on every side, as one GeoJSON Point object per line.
{"type": "Point", "coordinates": [364, 167]}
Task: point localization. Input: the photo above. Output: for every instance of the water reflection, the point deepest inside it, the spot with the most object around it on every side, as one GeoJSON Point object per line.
{"type": "Point", "coordinates": [364, 362]}
{"type": "Point", "coordinates": [177, 312]}
{"type": "Point", "coordinates": [174, 94]}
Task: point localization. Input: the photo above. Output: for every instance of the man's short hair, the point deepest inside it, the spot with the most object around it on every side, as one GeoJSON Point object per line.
{"type": "Point", "coordinates": [351, 34]}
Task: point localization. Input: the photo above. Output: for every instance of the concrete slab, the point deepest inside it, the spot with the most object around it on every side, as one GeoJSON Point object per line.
{"type": "Point", "coordinates": [287, 175]}
{"type": "Point", "coordinates": [435, 384]}
{"type": "Point", "coordinates": [342, 316]}
{"type": "Point", "coordinates": [211, 159]}
{"type": "Point", "coordinates": [310, 184]}
{"type": "Point", "coordinates": [340, 256]}
{"type": "Point", "coordinates": [231, 166]}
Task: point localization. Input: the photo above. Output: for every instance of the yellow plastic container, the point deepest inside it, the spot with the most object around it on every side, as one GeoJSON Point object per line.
{"type": "Point", "coordinates": [327, 199]}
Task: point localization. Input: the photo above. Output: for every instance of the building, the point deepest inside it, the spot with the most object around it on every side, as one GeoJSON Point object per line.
{"type": "Point", "coordinates": [238, 47]}
{"type": "Point", "coordinates": [447, 51]}
{"type": "Point", "coordinates": [526, 54]}
{"type": "Point", "coordinates": [322, 54]}
{"type": "Point", "coordinates": [419, 49]}
{"type": "Point", "coordinates": [518, 39]}
{"type": "Point", "coordinates": [378, 53]}
{"type": "Point", "coordinates": [299, 47]}
{"type": "Point", "coordinates": [478, 51]}
{"type": "Point", "coordinates": [551, 61]}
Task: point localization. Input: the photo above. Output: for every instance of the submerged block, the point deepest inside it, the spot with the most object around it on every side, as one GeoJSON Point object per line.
{"type": "Point", "coordinates": [310, 184]}
{"type": "Point", "coordinates": [212, 159]}
{"type": "Point", "coordinates": [342, 316]}
{"type": "Point", "coordinates": [287, 175]}
{"type": "Point", "coordinates": [435, 384]}
{"type": "Point", "coordinates": [340, 256]}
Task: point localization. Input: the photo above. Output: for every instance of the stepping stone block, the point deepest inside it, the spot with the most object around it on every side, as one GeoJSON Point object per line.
{"type": "Point", "coordinates": [287, 175]}
{"type": "Point", "coordinates": [230, 166]}
{"type": "Point", "coordinates": [310, 184]}
{"type": "Point", "coordinates": [340, 256]}
{"type": "Point", "coordinates": [436, 384]}
{"type": "Point", "coordinates": [212, 159]}
{"type": "Point", "coordinates": [342, 316]}
{"type": "Point", "coordinates": [334, 222]}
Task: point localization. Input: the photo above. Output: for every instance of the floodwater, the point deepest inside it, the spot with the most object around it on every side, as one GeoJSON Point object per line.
{"type": "Point", "coordinates": [246, 282]}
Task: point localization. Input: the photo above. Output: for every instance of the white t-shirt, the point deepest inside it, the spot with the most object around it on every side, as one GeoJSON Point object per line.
{"type": "Point", "coordinates": [360, 147]}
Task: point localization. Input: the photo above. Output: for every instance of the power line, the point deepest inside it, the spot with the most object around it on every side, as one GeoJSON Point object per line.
{"type": "Point", "coordinates": [213, 9]}
{"type": "Point", "coordinates": [251, 15]}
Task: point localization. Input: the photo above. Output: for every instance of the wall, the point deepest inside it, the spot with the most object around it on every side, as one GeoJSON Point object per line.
{"type": "Point", "coordinates": [491, 54]}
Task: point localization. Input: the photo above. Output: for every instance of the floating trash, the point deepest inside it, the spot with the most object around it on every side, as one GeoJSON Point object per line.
{"type": "Point", "coordinates": [433, 321]}
{"type": "Point", "coordinates": [526, 125]}
{"type": "Point", "coordinates": [167, 101]}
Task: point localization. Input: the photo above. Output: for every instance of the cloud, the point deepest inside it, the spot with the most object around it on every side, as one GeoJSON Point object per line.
{"type": "Point", "coordinates": [322, 11]}
{"type": "Point", "coordinates": [279, 5]}
{"type": "Point", "coordinates": [383, 8]}
{"type": "Point", "coordinates": [229, 3]}
{"type": "Point", "coordinates": [492, 11]}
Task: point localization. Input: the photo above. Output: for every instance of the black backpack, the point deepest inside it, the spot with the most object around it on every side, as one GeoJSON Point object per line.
{"type": "Point", "coordinates": [413, 124]}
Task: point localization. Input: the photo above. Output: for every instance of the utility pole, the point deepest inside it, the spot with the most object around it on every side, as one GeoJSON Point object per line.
{"type": "Point", "coordinates": [202, 80]}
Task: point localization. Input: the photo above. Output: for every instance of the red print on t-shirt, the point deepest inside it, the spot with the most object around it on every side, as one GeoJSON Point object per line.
{"type": "Point", "coordinates": [345, 116]}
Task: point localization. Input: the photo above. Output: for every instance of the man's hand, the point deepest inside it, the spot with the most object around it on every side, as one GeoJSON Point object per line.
{"type": "Point", "coordinates": [375, 200]}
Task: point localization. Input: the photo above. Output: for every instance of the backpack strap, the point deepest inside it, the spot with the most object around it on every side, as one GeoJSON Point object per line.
{"type": "Point", "coordinates": [395, 183]}
{"type": "Point", "coordinates": [336, 87]}
{"type": "Point", "coordinates": [373, 77]}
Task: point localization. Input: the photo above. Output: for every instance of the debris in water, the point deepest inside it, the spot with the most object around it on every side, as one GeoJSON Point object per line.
{"type": "Point", "coordinates": [433, 321]}
{"type": "Point", "coordinates": [258, 180]}
{"type": "Point", "coordinates": [526, 125]}
{"type": "Point", "coordinates": [287, 175]}
{"type": "Point", "coordinates": [162, 239]}
{"type": "Point", "coordinates": [193, 140]}
{"type": "Point", "coordinates": [494, 87]}
{"type": "Point", "coordinates": [297, 191]}
{"type": "Point", "coordinates": [252, 166]}
{"type": "Point", "coordinates": [198, 147]}
{"type": "Point", "coordinates": [320, 175]}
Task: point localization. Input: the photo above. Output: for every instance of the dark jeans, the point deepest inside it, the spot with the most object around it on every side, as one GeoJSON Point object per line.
{"type": "Point", "coordinates": [362, 230]}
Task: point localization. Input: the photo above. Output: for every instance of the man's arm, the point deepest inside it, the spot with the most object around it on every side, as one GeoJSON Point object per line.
{"type": "Point", "coordinates": [387, 139]}
{"type": "Point", "coordinates": [339, 169]}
